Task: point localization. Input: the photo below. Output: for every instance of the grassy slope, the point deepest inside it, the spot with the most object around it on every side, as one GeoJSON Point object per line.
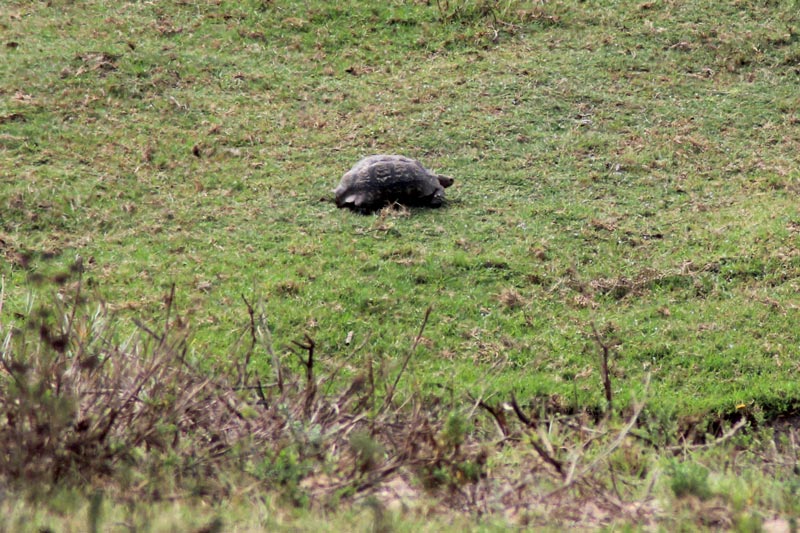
{"type": "Point", "coordinates": [626, 164]}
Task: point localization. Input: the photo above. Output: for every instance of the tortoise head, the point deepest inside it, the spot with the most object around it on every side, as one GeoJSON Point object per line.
{"type": "Point", "coordinates": [445, 181]}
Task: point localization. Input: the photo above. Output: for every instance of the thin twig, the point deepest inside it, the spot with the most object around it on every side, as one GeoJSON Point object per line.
{"type": "Point", "coordinates": [170, 301]}
{"type": "Point", "coordinates": [147, 330]}
{"type": "Point", "coordinates": [390, 392]}
{"type": "Point", "coordinates": [604, 367]}
{"type": "Point", "coordinates": [613, 446]}
{"type": "Point", "coordinates": [523, 418]}
{"type": "Point", "coordinates": [308, 346]}
{"type": "Point", "coordinates": [266, 338]}
{"type": "Point", "coordinates": [728, 434]}
{"type": "Point", "coordinates": [79, 268]}
{"type": "Point", "coordinates": [243, 369]}
{"type": "Point", "coordinates": [311, 387]}
{"type": "Point", "coordinates": [543, 453]}
{"type": "Point", "coordinates": [549, 459]}
{"type": "Point", "coordinates": [498, 415]}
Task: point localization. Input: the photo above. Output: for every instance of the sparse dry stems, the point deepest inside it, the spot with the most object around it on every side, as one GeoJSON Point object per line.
{"type": "Point", "coordinates": [82, 406]}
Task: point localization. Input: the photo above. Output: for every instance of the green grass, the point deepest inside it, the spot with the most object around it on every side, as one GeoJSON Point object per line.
{"type": "Point", "coordinates": [72, 512]}
{"type": "Point", "coordinates": [630, 165]}
{"type": "Point", "coordinates": [590, 143]}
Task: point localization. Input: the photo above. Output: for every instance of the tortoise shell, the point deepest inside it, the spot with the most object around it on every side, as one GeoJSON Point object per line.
{"type": "Point", "coordinates": [379, 180]}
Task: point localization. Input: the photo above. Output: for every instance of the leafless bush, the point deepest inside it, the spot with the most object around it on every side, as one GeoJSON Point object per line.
{"type": "Point", "coordinates": [84, 404]}
{"type": "Point", "coordinates": [81, 404]}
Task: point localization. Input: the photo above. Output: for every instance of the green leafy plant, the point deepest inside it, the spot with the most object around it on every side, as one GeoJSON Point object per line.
{"type": "Point", "coordinates": [689, 479]}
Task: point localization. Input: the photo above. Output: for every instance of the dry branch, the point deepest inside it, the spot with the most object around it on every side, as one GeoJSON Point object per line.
{"type": "Point", "coordinates": [571, 479]}
{"type": "Point", "coordinates": [499, 417]}
{"type": "Point", "coordinates": [604, 353]}
{"type": "Point", "coordinates": [543, 453]}
{"type": "Point", "coordinates": [143, 400]}
{"type": "Point", "coordinates": [390, 393]}
{"type": "Point", "coordinates": [242, 380]}
{"type": "Point", "coordinates": [716, 442]}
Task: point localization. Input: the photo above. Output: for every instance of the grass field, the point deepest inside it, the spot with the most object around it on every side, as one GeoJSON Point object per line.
{"type": "Point", "coordinates": [628, 168]}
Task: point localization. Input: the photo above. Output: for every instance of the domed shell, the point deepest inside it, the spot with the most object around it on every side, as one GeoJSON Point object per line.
{"type": "Point", "coordinates": [379, 180]}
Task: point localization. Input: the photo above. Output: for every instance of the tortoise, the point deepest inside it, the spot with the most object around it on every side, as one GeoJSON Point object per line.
{"type": "Point", "coordinates": [380, 180]}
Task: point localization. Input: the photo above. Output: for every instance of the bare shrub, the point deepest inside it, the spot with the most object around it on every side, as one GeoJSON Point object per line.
{"type": "Point", "coordinates": [82, 403]}
{"type": "Point", "coordinates": [85, 405]}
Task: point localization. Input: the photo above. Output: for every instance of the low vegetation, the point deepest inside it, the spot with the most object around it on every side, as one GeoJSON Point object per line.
{"type": "Point", "coordinates": [103, 426]}
{"type": "Point", "coordinates": [596, 330]}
